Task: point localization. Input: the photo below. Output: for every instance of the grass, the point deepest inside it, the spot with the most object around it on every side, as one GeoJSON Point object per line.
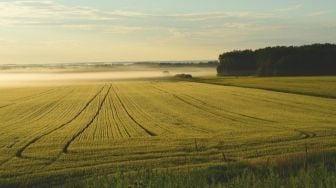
{"type": "Point", "coordinates": [323, 86]}
{"type": "Point", "coordinates": [316, 170]}
{"type": "Point", "coordinates": [56, 134]}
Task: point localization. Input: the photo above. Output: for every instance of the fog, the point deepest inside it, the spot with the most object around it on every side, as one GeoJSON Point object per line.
{"type": "Point", "coordinates": [46, 78]}
{"type": "Point", "coordinates": [26, 77]}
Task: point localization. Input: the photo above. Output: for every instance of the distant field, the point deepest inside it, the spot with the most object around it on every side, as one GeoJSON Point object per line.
{"type": "Point", "coordinates": [57, 133]}
{"type": "Point", "coordinates": [324, 86]}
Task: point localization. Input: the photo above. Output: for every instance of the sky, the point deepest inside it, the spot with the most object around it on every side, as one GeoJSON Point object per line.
{"type": "Point", "coordinates": [66, 31]}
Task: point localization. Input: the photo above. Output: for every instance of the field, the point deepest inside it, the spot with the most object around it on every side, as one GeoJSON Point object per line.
{"type": "Point", "coordinates": [53, 134]}
{"type": "Point", "coordinates": [322, 86]}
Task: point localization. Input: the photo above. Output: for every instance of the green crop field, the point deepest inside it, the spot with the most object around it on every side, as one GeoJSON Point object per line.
{"type": "Point", "coordinates": [55, 133]}
{"type": "Point", "coordinates": [322, 86]}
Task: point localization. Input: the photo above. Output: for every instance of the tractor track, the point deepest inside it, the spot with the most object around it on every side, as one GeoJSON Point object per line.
{"type": "Point", "coordinates": [69, 142]}
{"type": "Point", "coordinates": [35, 95]}
{"type": "Point", "coordinates": [7, 105]}
{"type": "Point", "coordinates": [139, 110]}
{"type": "Point", "coordinates": [114, 117]}
{"type": "Point", "coordinates": [117, 117]}
{"type": "Point", "coordinates": [20, 151]}
{"type": "Point", "coordinates": [27, 98]}
{"type": "Point", "coordinates": [49, 108]}
{"type": "Point", "coordinates": [40, 110]}
{"type": "Point", "coordinates": [66, 146]}
{"type": "Point", "coordinates": [285, 103]}
{"type": "Point", "coordinates": [195, 128]}
{"type": "Point", "coordinates": [150, 133]}
{"type": "Point", "coordinates": [304, 134]}
{"type": "Point", "coordinates": [65, 149]}
{"type": "Point", "coordinates": [235, 113]}
{"type": "Point", "coordinates": [197, 107]}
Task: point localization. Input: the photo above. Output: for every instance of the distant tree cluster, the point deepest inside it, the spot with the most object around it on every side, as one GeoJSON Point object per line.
{"type": "Point", "coordinates": [180, 64]}
{"type": "Point", "coordinates": [316, 59]}
{"type": "Point", "coordinates": [185, 76]}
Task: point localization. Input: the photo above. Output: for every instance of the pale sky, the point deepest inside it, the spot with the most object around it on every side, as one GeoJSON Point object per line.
{"type": "Point", "coordinates": [65, 31]}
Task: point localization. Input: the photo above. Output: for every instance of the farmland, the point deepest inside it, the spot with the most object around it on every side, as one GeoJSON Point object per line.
{"type": "Point", "coordinates": [52, 133]}
{"type": "Point", "coordinates": [322, 86]}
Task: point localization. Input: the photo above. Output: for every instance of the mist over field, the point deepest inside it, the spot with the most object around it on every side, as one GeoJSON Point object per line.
{"type": "Point", "coordinates": [21, 77]}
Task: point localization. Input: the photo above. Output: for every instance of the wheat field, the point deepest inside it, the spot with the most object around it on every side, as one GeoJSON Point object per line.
{"type": "Point", "coordinates": [73, 131]}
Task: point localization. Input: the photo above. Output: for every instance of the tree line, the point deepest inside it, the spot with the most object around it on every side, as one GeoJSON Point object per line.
{"type": "Point", "coordinates": [180, 64]}
{"type": "Point", "coordinates": [316, 59]}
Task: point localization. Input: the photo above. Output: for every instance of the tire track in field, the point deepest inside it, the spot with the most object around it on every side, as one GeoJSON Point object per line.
{"type": "Point", "coordinates": [117, 117]}
{"type": "Point", "coordinates": [140, 110]}
{"type": "Point", "coordinates": [51, 109]}
{"type": "Point", "coordinates": [21, 114]}
{"type": "Point", "coordinates": [279, 90]}
{"type": "Point", "coordinates": [44, 111]}
{"type": "Point", "coordinates": [21, 150]}
{"type": "Point", "coordinates": [20, 98]}
{"type": "Point", "coordinates": [305, 134]}
{"type": "Point", "coordinates": [31, 142]}
{"type": "Point", "coordinates": [228, 111]}
{"type": "Point", "coordinates": [69, 142]}
{"type": "Point", "coordinates": [6, 105]}
{"type": "Point", "coordinates": [150, 133]}
{"type": "Point", "coordinates": [110, 118]}
{"type": "Point", "coordinates": [112, 106]}
{"type": "Point", "coordinates": [195, 128]}
{"type": "Point", "coordinates": [29, 97]}
{"type": "Point", "coordinates": [272, 100]}
{"type": "Point", "coordinates": [104, 118]}
{"type": "Point", "coordinates": [35, 95]}
{"type": "Point", "coordinates": [198, 107]}
{"type": "Point", "coordinates": [298, 105]}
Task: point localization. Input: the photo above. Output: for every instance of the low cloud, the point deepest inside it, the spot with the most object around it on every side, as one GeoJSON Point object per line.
{"type": "Point", "coordinates": [51, 13]}
{"type": "Point", "coordinates": [291, 8]}
{"type": "Point", "coordinates": [220, 15]}
{"type": "Point", "coordinates": [319, 13]}
{"type": "Point", "coordinates": [124, 29]}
